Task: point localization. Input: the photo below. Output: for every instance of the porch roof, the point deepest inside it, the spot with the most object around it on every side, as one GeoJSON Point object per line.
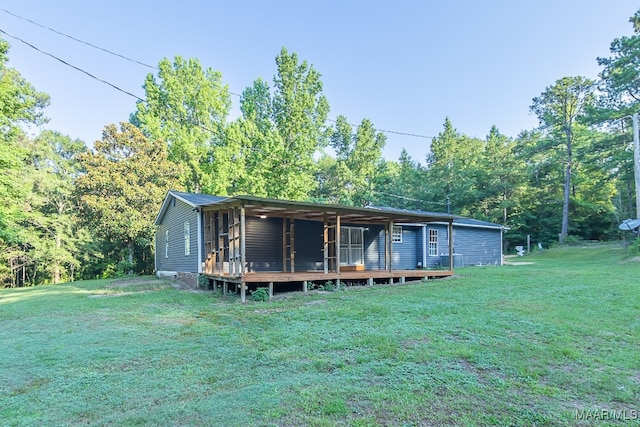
{"type": "Point", "coordinates": [259, 206]}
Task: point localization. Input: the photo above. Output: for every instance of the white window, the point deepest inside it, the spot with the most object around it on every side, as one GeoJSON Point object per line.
{"type": "Point", "coordinates": [166, 243]}
{"type": "Point", "coordinates": [187, 239]}
{"type": "Point", "coordinates": [396, 234]}
{"type": "Point", "coordinates": [433, 242]}
{"type": "Point", "coordinates": [351, 246]}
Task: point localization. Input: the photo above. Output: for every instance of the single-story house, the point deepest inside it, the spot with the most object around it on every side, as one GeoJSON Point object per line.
{"type": "Point", "coordinates": [247, 241]}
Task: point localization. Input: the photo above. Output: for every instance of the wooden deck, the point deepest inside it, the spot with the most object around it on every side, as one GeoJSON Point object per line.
{"type": "Point", "coordinates": [313, 276]}
{"type": "Point", "coordinates": [318, 276]}
{"type": "Point", "coordinates": [368, 277]}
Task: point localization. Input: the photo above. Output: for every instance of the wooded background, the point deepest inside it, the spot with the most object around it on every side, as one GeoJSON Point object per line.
{"type": "Point", "coordinates": [69, 211]}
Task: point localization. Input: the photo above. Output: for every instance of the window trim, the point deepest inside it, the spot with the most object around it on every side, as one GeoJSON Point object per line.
{"type": "Point", "coordinates": [352, 246]}
{"type": "Point", "coordinates": [396, 234]}
{"type": "Point", "coordinates": [433, 242]}
{"type": "Point", "coordinates": [187, 239]}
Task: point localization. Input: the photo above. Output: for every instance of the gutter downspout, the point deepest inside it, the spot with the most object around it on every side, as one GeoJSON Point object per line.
{"type": "Point", "coordinates": [155, 252]}
{"type": "Point", "coordinates": [424, 246]}
{"type": "Point", "coordinates": [501, 246]}
{"type": "Point", "coordinates": [199, 213]}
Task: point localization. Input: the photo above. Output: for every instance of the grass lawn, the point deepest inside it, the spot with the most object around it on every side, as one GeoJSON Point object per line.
{"type": "Point", "coordinates": [551, 343]}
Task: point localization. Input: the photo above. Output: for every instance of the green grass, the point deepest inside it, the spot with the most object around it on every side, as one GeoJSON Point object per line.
{"type": "Point", "coordinates": [515, 345]}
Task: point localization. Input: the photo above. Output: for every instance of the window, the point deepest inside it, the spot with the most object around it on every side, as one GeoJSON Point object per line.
{"type": "Point", "coordinates": [433, 242]}
{"type": "Point", "coordinates": [396, 234]}
{"type": "Point", "coordinates": [166, 244]}
{"type": "Point", "coordinates": [351, 246]}
{"type": "Point", "coordinates": [187, 239]}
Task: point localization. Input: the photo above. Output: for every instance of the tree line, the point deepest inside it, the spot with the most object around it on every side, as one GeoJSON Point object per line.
{"type": "Point", "coordinates": [68, 212]}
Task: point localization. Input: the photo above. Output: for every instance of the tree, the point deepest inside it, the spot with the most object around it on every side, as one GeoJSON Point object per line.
{"type": "Point", "coordinates": [499, 179]}
{"type": "Point", "coordinates": [280, 132]}
{"type": "Point", "coordinates": [452, 165]}
{"type": "Point", "coordinates": [620, 99]}
{"type": "Point", "coordinates": [53, 162]}
{"type": "Point", "coordinates": [349, 179]}
{"type": "Point", "coordinates": [299, 114]}
{"type": "Point", "coordinates": [20, 105]}
{"type": "Point", "coordinates": [127, 176]}
{"type": "Point", "coordinates": [559, 108]}
{"type": "Point", "coordinates": [187, 108]}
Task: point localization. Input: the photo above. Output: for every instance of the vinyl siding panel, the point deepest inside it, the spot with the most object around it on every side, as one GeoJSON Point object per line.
{"type": "Point", "coordinates": [173, 220]}
{"type": "Point", "coordinates": [309, 247]}
{"type": "Point", "coordinates": [374, 248]}
{"type": "Point", "coordinates": [404, 254]}
{"type": "Point", "coordinates": [443, 244]}
{"type": "Point", "coordinates": [477, 245]}
{"type": "Point", "coordinates": [264, 244]}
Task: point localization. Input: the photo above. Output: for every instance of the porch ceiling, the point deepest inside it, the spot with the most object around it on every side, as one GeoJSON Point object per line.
{"type": "Point", "coordinates": [256, 206]}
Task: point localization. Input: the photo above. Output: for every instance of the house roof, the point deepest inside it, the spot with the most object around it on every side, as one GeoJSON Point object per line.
{"type": "Point", "coordinates": [259, 206]}
{"type": "Point", "coordinates": [457, 220]}
{"type": "Point", "coordinates": [197, 199]}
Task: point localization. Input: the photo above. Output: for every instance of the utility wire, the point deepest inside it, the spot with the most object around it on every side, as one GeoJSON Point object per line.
{"type": "Point", "coordinates": [397, 196]}
{"type": "Point", "coordinates": [414, 135]}
{"type": "Point", "coordinates": [80, 41]}
{"type": "Point", "coordinates": [72, 66]}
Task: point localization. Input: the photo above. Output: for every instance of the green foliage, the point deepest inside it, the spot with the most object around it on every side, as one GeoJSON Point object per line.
{"type": "Point", "coordinates": [20, 103]}
{"type": "Point", "coordinates": [186, 107]}
{"type": "Point", "coordinates": [203, 281]}
{"type": "Point", "coordinates": [348, 180]}
{"type": "Point", "coordinates": [329, 286]}
{"type": "Point", "coordinates": [127, 176]}
{"type": "Point", "coordinates": [260, 295]}
{"type": "Point", "coordinates": [634, 247]}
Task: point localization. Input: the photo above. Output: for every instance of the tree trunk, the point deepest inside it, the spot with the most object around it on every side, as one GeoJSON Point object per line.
{"type": "Point", "coordinates": [567, 189]}
{"type": "Point", "coordinates": [56, 266]}
{"type": "Point", "coordinates": [130, 248]}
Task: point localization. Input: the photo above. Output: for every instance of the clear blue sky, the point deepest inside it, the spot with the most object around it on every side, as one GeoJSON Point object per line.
{"type": "Point", "coordinates": [406, 65]}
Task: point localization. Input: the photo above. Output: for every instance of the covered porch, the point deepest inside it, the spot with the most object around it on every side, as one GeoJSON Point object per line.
{"type": "Point", "coordinates": [251, 241]}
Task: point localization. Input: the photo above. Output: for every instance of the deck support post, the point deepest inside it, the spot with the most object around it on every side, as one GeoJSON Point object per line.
{"type": "Point", "coordinates": [390, 245]}
{"type": "Point", "coordinates": [370, 281]}
{"type": "Point", "coordinates": [243, 292]}
{"type": "Point", "coordinates": [304, 286]}
{"type": "Point", "coordinates": [215, 285]}
{"type": "Point", "coordinates": [270, 290]}
{"type": "Point", "coordinates": [225, 287]}
{"type": "Point", "coordinates": [402, 280]}
{"type": "Point", "coordinates": [391, 280]}
{"type": "Point", "coordinates": [450, 232]}
{"type": "Point", "coordinates": [338, 284]}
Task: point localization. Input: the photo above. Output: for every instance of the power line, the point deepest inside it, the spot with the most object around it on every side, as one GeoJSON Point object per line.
{"type": "Point", "coordinates": [71, 65]}
{"type": "Point", "coordinates": [413, 135]}
{"type": "Point", "coordinates": [80, 41]}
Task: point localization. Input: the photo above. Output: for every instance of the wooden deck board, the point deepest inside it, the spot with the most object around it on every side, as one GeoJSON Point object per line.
{"type": "Point", "coordinates": [280, 277]}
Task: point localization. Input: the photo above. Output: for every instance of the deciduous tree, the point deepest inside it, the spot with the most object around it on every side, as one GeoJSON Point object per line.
{"type": "Point", "coordinates": [127, 176]}
{"type": "Point", "coordinates": [559, 108]}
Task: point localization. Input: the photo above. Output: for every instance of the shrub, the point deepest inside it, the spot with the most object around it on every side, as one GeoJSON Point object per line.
{"type": "Point", "coordinates": [634, 247]}
{"type": "Point", "coordinates": [203, 282]}
{"type": "Point", "coordinates": [329, 286]}
{"type": "Point", "coordinates": [260, 294]}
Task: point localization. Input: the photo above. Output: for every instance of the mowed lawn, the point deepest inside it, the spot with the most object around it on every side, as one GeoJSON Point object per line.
{"type": "Point", "coordinates": [554, 342]}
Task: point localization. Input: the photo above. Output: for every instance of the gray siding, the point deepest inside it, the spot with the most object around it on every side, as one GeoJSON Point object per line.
{"type": "Point", "coordinates": [173, 220]}
{"type": "Point", "coordinates": [264, 244]}
{"type": "Point", "coordinates": [309, 246]}
{"type": "Point", "coordinates": [477, 245]}
{"type": "Point", "coordinates": [374, 248]}
{"type": "Point", "coordinates": [443, 244]}
{"type": "Point", "coordinates": [404, 254]}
